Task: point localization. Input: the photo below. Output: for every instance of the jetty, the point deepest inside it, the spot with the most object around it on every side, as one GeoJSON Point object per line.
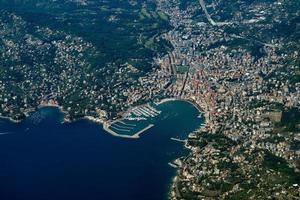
{"type": "Point", "coordinates": [107, 127]}
{"type": "Point", "coordinates": [173, 165]}
{"type": "Point", "coordinates": [178, 140]}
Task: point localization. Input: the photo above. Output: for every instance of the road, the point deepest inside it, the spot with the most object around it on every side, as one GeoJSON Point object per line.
{"type": "Point", "coordinates": [211, 21]}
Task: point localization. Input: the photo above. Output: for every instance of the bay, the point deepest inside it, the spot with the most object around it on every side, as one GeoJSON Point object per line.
{"type": "Point", "coordinates": [42, 158]}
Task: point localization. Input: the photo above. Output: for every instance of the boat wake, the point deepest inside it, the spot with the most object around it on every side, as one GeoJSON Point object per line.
{"type": "Point", "coordinates": [5, 133]}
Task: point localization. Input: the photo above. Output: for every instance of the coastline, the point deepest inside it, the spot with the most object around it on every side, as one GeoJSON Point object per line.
{"type": "Point", "coordinates": [10, 119]}
{"type": "Point", "coordinates": [98, 138]}
{"type": "Point", "coordinates": [173, 187]}
{"type": "Point", "coordinates": [105, 123]}
{"type": "Point", "coordinates": [191, 101]}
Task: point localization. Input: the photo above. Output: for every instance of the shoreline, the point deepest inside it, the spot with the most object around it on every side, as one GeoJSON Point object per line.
{"type": "Point", "coordinates": [195, 104]}
{"type": "Point", "coordinates": [105, 123]}
{"type": "Point", "coordinates": [105, 126]}
{"type": "Point", "coordinates": [10, 119]}
{"type": "Point", "coordinates": [173, 187]}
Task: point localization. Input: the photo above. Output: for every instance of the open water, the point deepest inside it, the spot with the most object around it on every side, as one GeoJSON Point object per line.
{"type": "Point", "coordinates": [44, 159]}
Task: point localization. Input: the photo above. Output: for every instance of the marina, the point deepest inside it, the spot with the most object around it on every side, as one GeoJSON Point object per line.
{"type": "Point", "coordinates": [135, 122]}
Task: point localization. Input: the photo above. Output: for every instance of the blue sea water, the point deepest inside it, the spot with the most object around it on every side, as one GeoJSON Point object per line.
{"type": "Point", "coordinates": [43, 159]}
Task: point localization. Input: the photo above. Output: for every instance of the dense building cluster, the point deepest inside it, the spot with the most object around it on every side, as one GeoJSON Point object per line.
{"type": "Point", "coordinates": [249, 146]}
{"type": "Point", "coordinates": [238, 61]}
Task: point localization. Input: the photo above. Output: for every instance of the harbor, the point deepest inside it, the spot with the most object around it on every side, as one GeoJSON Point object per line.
{"type": "Point", "coordinates": [101, 163]}
{"type": "Point", "coordinates": [134, 123]}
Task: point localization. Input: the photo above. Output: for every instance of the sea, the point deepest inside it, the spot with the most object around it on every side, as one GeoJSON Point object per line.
{"type": "Point", "coordinates": [42, 158]}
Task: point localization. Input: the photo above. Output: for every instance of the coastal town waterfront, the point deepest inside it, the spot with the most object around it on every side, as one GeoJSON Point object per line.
{"type": "Point", "coordinates": [250, 102]}
{"type": "Point", "coordinates": [236, 61]}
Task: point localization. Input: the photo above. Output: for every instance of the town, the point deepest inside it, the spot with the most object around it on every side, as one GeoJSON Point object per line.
{"type": "Point", "coordinates": [237, 61]}
{"type": "Point", "coordinates": [249, 146]}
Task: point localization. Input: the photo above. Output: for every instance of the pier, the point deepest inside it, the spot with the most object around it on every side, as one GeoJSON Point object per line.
{"type": "Point", "coordinates": [107, 127]}
{"type": "Point", "coordinates": [173, 165]}
{"type": "Point", "coordinates": [178, 140]}
{"type": "Point", "coordinates": [146, 111]}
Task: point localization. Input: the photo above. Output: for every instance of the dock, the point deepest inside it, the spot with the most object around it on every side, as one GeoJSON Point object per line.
{"type": "Point", "coordinates": [107, 128]}
{"type": "Point", "coordinates": [178, 140]}
{"type": "Point", "coordinates": [173, 165]}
